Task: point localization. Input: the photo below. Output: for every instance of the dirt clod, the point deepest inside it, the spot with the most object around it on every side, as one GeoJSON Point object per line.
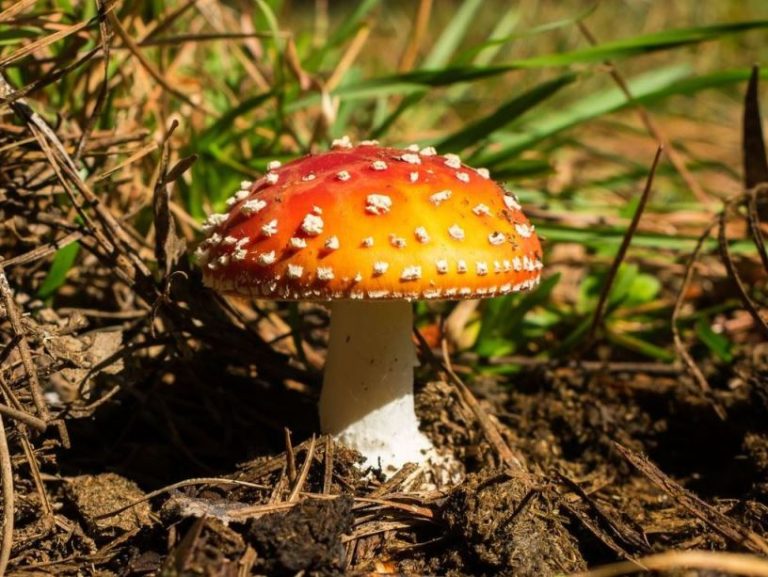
{"type": "Point", "coordinates": [95, 495]}
{"type": "Point", "coordinates": [509, 527]}
{"type": "Point", "coordinates": [307, 538]}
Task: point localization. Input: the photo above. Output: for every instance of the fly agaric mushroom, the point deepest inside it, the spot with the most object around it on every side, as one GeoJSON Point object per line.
{"type": "Point", "coordinates": [372, 229]}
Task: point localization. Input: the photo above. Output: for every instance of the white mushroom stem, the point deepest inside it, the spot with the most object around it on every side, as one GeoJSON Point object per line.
{"type": "Point", "coordinates": [367, 396]}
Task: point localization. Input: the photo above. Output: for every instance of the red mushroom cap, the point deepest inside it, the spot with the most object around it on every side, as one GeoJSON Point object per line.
{"type": "Point", "coordinates": [369, 222]}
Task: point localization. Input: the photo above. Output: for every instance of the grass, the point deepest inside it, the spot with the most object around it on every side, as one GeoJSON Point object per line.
{"type": "Point", "coordinates": [523, 94]}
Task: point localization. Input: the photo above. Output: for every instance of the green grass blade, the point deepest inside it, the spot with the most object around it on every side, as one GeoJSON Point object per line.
{"type": "Point", "coordinates": [644, 44]}
{"type": "Point", "coordinates": [221, 130]}
{"type": "Point", "coordinates": [500, 40]}
{"type": "Point", "coordinates": [646, 89]}
{"type": "Point", "coordinates": [604, 237]}
{"type": "Point", "coordinates": [57, 275]}
{"type": "Point", "coordinates": [484, 53]}
{"type": "Point", "coordinates": [715, 342]}
{"type": "Point", "coordinates": [504, 114]}
{"type": "Point", "coordinates": [610, 50]}
{"type": "Point", "coordinates": [638, 345]}
{"type": "Point", "coordinates": [503, 316]}
{"type": "Point", "coordinates": [438, 57]}
{"type": "Point", "coordinates": [453, 34]}
{"type": "Point", "coordinates": [422, 79]}
{"type": "Point", "coordinates": [587, 108]}
{"type": "Point", "coordinates": [348, 27]}
{"type": "Point", "coordinates": [409, 101]}
{"type": "Point", "coordinates": [270, 18]}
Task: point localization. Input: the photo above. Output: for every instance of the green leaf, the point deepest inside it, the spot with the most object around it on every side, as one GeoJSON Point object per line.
{"type": "Point", "coordinates": [566, 345]}
{"type": "Point", "coordinates": [57, 274]}
{"type": "Point", "coordinates": [518, 168]}
{"type": "Point", "coordinates": [645, 288]}
{"type": "Point", "coordinates": [420, 79]}
{"type": "Point", "coordinates": [589, 291]}
{"type": "Point", "coordinates": [622, 285]}
{"type": "Point", "coordinates": [270, 18]}
{"type": "Point", "coordinates": [630, 288]}
{"type": "Point", "coordinates": [410, 100]}
{"type": "Point", "coordinates": [440, 54]}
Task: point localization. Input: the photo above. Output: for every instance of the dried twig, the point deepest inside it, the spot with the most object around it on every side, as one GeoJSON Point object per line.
{"type": "Point", "coordinates": [417, 36]}
{"type": "Point", "coordinates": [349, 57]}
{"type": "Point", "coordinates": [736, 563]}
{"type": "Point", "coordinates": [179, 39]}
{"type": "Point", "coordinates": [290, 455]}
{"type": "Point", "coordinates": [29, 455]}
{"type": "Point", "coordinates": [28, 49]}
{"type": "Point", "coordinates": [41, 251]}
{"type": "Point", "coordinates": [600, 308]}
{"type": "Point", "coordinates": [14, 9]}
{"type": "Point", "coordinates": [328, 464]}
{"type": "Point", "coordinates": [23, 417]}
{"type": "Point", "coordinates": [101, 97]}
{"type": "Point", "coordinates": [490, 429]}
{"type": "Point", "coordinates": [67, 173]}
{"type": "Point", "coordinates": [619, 536]}
{"type": "Point", "coordinates": [164, 23]}
{"type": "Point", "coordinates": [26, 356]}
{"type": "Point", "coordinates": [716, 520]}
{"type": "Point", "coordinates": [652, 368]}
{"type": "Point", "coordinates": [395, 480]}
{"type": "Point", "coordinates": [6, 474]}
{"type": "Point", "coordinates": [48, 79]}
{"type": "Point", "coordinates": [181, 485]}
{"type": "Point", "coordinates": [682, 350]}
{"type": "Point", "coordinates": [725, 253]}
{"type": "Point", "coordinates": [302, 478]}
{"type": "Point", "coordinates": [753, 220]}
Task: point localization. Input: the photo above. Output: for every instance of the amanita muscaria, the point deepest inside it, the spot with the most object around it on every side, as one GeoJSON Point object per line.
{"type": "Point", "coordinates": [371, 229]}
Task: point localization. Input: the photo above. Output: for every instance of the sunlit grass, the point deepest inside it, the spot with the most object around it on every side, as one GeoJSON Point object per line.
{"type": "Point", "coordinates": [518, 90]}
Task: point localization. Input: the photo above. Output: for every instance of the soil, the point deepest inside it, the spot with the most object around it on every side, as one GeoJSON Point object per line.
{"type": "Point", "coordinates": [617, 462]}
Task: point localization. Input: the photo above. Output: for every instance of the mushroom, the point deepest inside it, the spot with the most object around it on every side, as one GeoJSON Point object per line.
{"type": "Point", "coordinates": [371, 229]}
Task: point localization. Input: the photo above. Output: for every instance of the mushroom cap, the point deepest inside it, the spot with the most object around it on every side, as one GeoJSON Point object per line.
{"type": "Point", "coordinates": [369, 222]}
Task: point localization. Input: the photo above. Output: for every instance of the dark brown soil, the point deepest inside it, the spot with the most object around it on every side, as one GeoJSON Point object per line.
{"type": "Point", "coordinates": [618, 463]}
